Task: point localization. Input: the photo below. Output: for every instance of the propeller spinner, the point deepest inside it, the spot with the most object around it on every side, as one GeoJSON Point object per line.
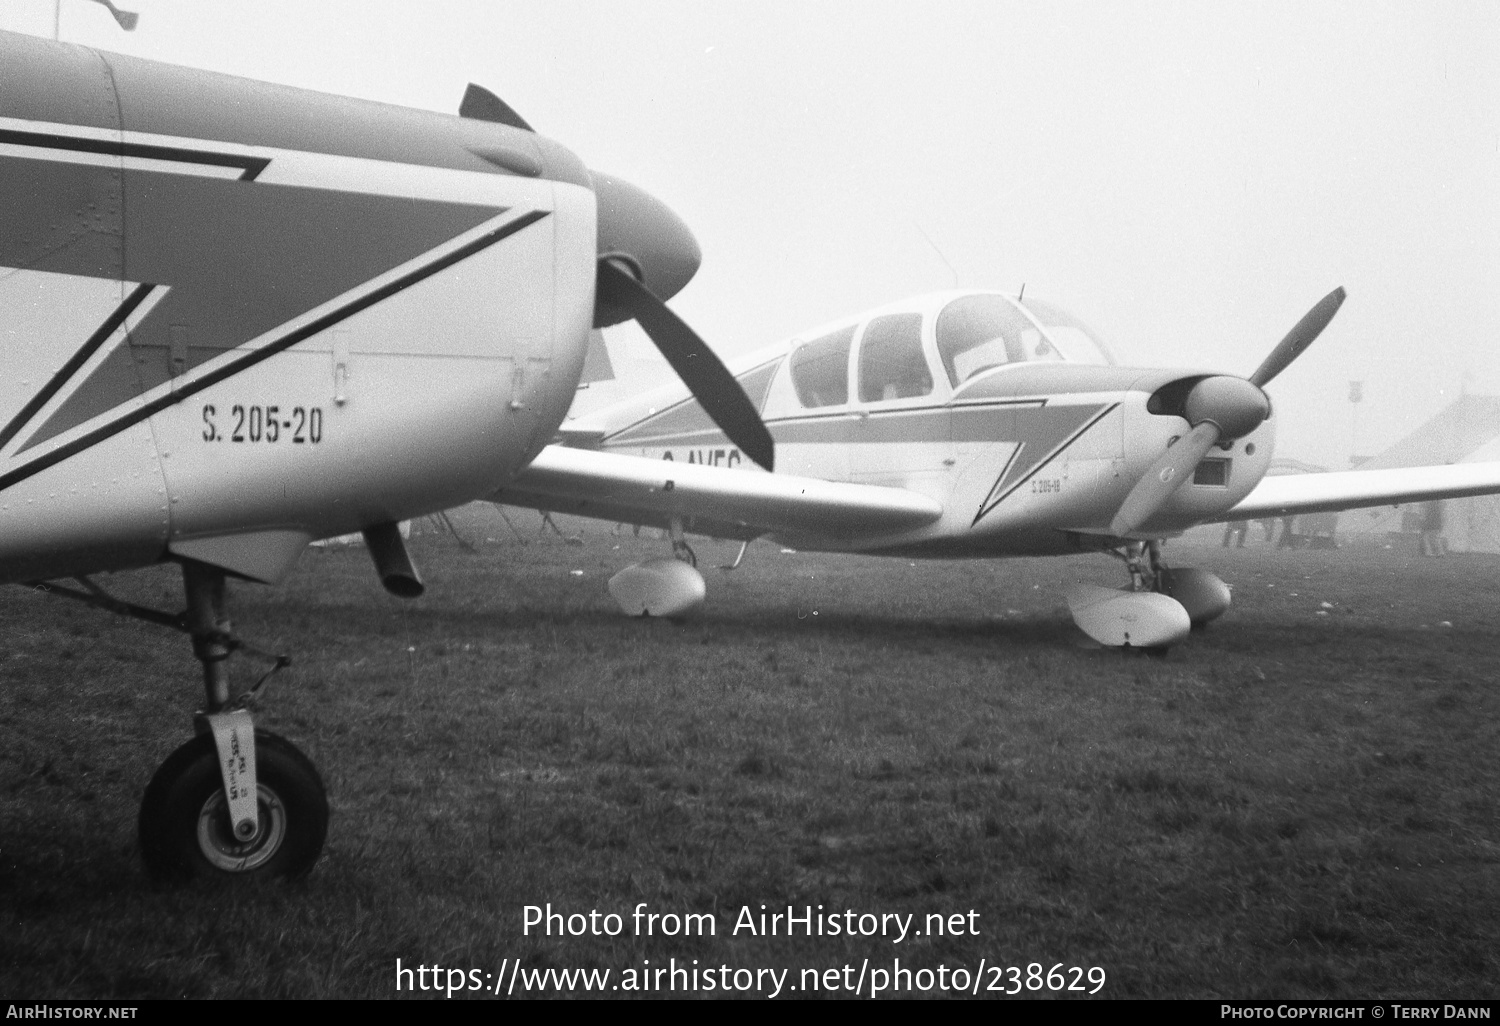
{"type": "Point", "coordinates": [1219, 407]}
{"type": "Point", "coordinates": [646, 255]}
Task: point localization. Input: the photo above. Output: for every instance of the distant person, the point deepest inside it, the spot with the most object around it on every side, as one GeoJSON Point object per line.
{"type": "Point", "coordinates": [1289, 537]}
{"type": "Point", "coordinates": [1433, 543]}
{"type": "Point", "coordinates": [1236, 529]}
{"type": "Point", "coordinates": [1320, 530]}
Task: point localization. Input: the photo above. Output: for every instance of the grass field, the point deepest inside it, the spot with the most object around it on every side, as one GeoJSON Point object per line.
{"type": "Point", "coordinates": [1300, 801]}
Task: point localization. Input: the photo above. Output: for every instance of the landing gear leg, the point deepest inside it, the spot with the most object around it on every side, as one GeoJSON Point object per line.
{"type": "Point", "coordinates": [236, 801]}
{"type": "Point", "coordinates": [738, 559]}
{"type": "Point", "coordinates": [209, 629]}
{"type": "Point", "coordinates": [680, 548]}
{"type": "Point", "coordinates": [1143, 560]}
{"type": "Point", "coordinates": [1203, 595]}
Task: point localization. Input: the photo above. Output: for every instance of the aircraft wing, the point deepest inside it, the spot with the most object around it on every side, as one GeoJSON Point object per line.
{"type": "Point", "coordinates": [710, 500]}
{"type": "Point", "coordinates": [1352, 489]}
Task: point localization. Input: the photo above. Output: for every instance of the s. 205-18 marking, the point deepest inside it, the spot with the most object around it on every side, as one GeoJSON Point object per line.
{"type": "Point", "coordinates": [299, 425]}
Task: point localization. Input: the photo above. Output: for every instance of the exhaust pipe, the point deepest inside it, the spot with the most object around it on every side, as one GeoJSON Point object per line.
{"type": "Point", "coordinates": [392, 561]}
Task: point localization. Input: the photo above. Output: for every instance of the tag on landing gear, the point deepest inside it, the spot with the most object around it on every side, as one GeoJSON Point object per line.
{"type": "Point", "coordinates": [234, 735]}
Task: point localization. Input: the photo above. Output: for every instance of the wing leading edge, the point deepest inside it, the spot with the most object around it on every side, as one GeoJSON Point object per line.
{"type": "Point", "coordinates": [1352, 489]}
{"type": "Point", "coordinates": [710, 500]}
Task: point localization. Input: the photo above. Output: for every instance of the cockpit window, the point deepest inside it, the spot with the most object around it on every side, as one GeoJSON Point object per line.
{"type": "Point", "coordinates": [1068, 333]}
{"type": "Point", "coordinates": [975, 333]}
{"type": "Point", "coordinates": [891, 364]}
{"type": "Point", "coordinates": [1035, 346]}
{"type": "Point", "coordinates": [820, 369]}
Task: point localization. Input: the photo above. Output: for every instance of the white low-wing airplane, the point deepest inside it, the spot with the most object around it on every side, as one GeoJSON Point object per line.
{"type": "Point", "coordinates": [965, 425]}
{"type": "Point", "coordinates": [239, 317]}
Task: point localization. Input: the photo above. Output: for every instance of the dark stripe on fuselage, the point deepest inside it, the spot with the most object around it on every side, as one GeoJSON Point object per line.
{"type": "Point", "coordinates": [686, 418]}
{"type": "Point", "coordinates": [98, 338]}
{"type": "Point", "coordinates": [922, 424]}
{"type": "Point", "coordinates": [273, 347]}
{"type": "Point", "coordinates": [250, 167]}
{"type": "Point", "coordinates": [53, 85]}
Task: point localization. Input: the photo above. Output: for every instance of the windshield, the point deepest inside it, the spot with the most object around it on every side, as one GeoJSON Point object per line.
{"type": "Point", "coordinates": [1068, 333]}
{"type": "Point", "coordinates": [977, 332]}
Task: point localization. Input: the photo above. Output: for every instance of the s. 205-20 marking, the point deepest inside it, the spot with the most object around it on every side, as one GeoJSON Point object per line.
{"type": "Point", "coordinates": [300, 425]}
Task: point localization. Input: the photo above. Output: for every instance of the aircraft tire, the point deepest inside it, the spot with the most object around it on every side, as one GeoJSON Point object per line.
{"type": "Point", "coordinates": [1149, 651]}
{"type": "Point", "coordinates": [184, 822]}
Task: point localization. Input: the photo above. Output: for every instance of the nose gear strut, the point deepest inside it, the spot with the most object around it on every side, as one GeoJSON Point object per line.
{"type": "Point", "coordinates": [235, 801]}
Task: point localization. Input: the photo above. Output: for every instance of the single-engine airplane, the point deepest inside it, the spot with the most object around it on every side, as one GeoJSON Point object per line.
{"type": "Point", "coordinates": [965, 425]}
{"type": "Point", "coordinates": [240, 317]}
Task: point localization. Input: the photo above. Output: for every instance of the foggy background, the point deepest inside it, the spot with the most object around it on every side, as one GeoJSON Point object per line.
{"type": "Point", "coordinates": [1188, 178]}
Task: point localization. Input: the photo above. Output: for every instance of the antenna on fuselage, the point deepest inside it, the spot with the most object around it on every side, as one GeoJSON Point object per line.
{"type": "Point", "coordinates": [939, 252]}
{"type": "Point", "coordinates": [1022, 294]}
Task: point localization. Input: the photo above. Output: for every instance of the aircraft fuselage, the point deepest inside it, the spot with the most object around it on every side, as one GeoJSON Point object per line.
{"type": "Point", "coordinates": [1026, 457]}
{"type": "Point", "coordinates": [240, 316]}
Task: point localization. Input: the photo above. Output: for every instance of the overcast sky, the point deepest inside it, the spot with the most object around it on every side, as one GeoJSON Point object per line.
{"type": "Point", "coordinates": [1188, 178]}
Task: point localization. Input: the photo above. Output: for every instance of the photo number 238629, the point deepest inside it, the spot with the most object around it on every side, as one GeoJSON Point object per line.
{"type": "Point", "coordinates": [297, 425]}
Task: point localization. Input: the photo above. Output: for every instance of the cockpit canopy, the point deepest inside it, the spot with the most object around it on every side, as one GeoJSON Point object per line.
{"type": "Point", "coordinates": [915, 354]}
{"type": "Point", "coordinates": [975, 333]}
{"type": "Point", "coordinates": [908, 356]}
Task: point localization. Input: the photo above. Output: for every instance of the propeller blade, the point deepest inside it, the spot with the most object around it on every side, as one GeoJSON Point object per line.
{"type": "Point", "coordinates": [596, 362]}
{"type": "Point", "coordinates": [480, 104]}
{"type": "Point", "coordinates": [1166, 475]}
{"type": "Point", "coordinates": [709, 380]}
{"type": "Point", "coordinates": [1299, 338]}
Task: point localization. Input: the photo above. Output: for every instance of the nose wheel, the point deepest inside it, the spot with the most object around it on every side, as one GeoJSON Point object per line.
{"type": "Point", "coordinates": [1200, 593]}
{"type": "Point", "coordinates": [235, 802]}
{"type": "Point", "coordinates": [185, 828]}
{"type": "Point", "coordinates": [198, 818]}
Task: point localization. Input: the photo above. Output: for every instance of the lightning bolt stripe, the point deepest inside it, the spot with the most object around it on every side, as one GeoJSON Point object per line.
{"type": "Point", "coordinates": [228, 369]}
{"type": "Point", "coordinates": [111, 324]}
{"type": "Point", "coordinates": [233, 261]}
{"type": "Point", "coordinates": [692, 426]}
{"type": "Point", "coordinates": [1021, 467]}
{"type": "Point", "coordinates": [685, 423]}
{"type": "Point", "coordinates": [686, 418]}
{"type": "Point", "coordinates": [250, 166]}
